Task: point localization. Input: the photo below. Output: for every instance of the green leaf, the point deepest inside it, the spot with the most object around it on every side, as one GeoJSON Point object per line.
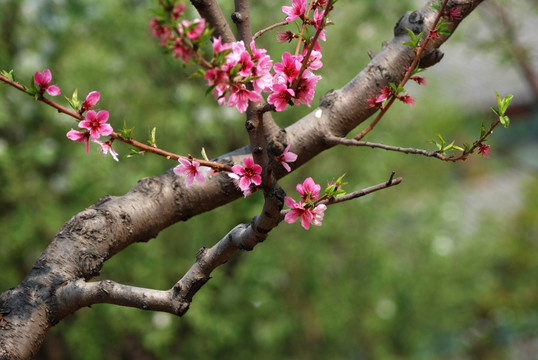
{"type": "Point", "coordinates": [505, 102]}
{"type": "Point", "coordinates": [482, 129]}
{"type": "Point", "coordinates": [339, 192]}
{"type": "Point", "coordinates": [414, 39]}
{"type": "Point", "coordinates": [8, 75]}
{"type": "Point", "coordinates": [134, 152]}
{"type": "Point", "coordinates": [32, 90]}
{"type": "Point", "coordinates": [503, 106]}
{"type": "Point", "coordinates": [329, 190]}
{"type": "Point", "coordinates": [439, 147]}
{"type": "Point", "coordinates": [505, 120]}
{"type": "Point", "coordinates": [74, 102]}
{"type": "Point", "coordinates": [198, 73]}
{"type": "Point", "coordinates": [442, 140]}
{"type": "Point", "coordinates": [451, 147]}
{"type": "Point", "coordinates": [436, 6]}
{"type": "Point", "coordinates": [152, 140]}
{"type": "Point", "coordinates": [204, 155]}
{"type": "Point", "coordinates": [339, 180]}
{"type": "Point", "coordinates": [126, 132]}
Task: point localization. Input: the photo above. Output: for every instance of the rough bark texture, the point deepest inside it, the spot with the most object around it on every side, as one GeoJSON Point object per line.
{"type": "Point", "coordinates": [58, 283]}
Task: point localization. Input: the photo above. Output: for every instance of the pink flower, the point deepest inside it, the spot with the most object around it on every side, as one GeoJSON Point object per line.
{"type": "Point", "coordinates": [314, 62]}
{"type": "Point", "coordinates": [297, 211]}
{"type": "Point", "coordinates": [192, 170]}
{"type": "Point", "coordinates": [91, 100]}
{"type": "Point", "coordinates": [294, 11]}
{"type": "Point", "coordinates": [372, 101]}
{"type": "Point", "coordinates": [181, 51]}
{"type": "Point", "coordinates": [96, 123]}
{"type": "Point", "coordinates": [284, 36]}
{"type": "Point", "coordinates": [318, 213]}
{"type": "Point", "coordinates": [306, 208]}
{"type": "Point", "coordinates": [194, 29]}
{"type": "Point", "coordinates": [246, 176]}
{"type": "Point", "coordinates": [305, 213]}
{"type": "Point", "coordinates": [219, 47]}
{"type": "Point", "coordinates": [287, 157]}
{"type": "Point", "coordinates": [318, 21]}
{"type": "Point", "coordinates": [419, 80]}
{"type": "Point", "coordinates": [434, 34]}
{"type": "Point", "coordinates": [289, 67]}
{"type": "Point", "coordinates": [306, 89]}
{"type": "Point", "coordinates": [240, 96]}
{"type": "Point", "coordinates": [80, 136]}
{"type": "Point", "coordinates": [454, 14]}
{"type": "Point", "coordinates": [178, 11]}
{"type": "Point", "coordinates": [106, 147]}
{"type": "Point", "coordinates": [160, 31]}
{"type": "Point", "coordinates": [43, 80]}
{"type": "Point", "coordinates": [280, 96]}
{"type": "Point", "coordinates": [484, 150]}
{"type": "Point", "coordinates": [261, 70]}
{"type": "Point", "coordinates": [407, 99]}
{"type": "Point", "coordinates": [309, 190]}
{"type": "Point", "coordinates": [385, 93]}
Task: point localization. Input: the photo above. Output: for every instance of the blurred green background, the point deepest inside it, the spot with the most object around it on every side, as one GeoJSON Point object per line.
{"type": "Point", "coordinates": [444, 266]}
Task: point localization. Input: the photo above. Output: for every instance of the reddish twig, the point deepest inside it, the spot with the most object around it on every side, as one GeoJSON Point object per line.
{"type": "Point", "coordinates": [116, 136]}
{"type": "Point", "coordinates": [407, 76]}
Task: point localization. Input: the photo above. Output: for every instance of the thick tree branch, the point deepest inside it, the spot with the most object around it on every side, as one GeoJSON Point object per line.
{"type": "Point", "coordinates": [241, 18]}
{"type": "Point", "coordinates": [211, 11]}
{"type": "Point", "coordinates": [94, 235]}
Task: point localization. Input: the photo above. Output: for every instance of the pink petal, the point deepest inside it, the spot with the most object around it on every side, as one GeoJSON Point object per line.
{"type": "Point", "coordinates": [305, 220]}
{"type": "Point", "coordinates": [105, 129]}
{"type": "Point", "coordinates": [47, 76]}
{"type": "Point", "coordinates": [289, 201]}
{"type": "Point", "coordinates": [256, 179]}
{"type": "Point", "coordinates": [238, 170]}
{"type": "Point", "coordinates": [184, 162]}
{"type": "Point", "coordinates": [249, 162]}
{"type": "Point", "coordinates": [53, 90]}
{"type": "Point", "coordinates": [291, 216]}
{"type": "Point", "coordinates": [92, 99]}
{"type": "Point", "coordinates": [189, 180]}
{"type": "Point", "coordinates": [244, 183]}
{"type": "Point", "coordinates": [102, 116]}
{"type": "Point", "coordinates": [200, 177]}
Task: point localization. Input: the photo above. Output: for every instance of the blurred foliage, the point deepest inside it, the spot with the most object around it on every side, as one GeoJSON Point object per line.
{"type": "Point", "coordinates": [443, 266]}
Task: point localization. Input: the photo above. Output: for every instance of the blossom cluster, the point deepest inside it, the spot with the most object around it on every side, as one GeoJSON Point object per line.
{"type": "Point", "coordinates": [239, 72]}
{"type": "Point", "coordinates": [379, 100]}
{"type": "Point", "coordinates": [306, 209]}
{"type": "Point", "coordinates": [94, 123]}
{"type": "Point", "coordinates": [44, 80]}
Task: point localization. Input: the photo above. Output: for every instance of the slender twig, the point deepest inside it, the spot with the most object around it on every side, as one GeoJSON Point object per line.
{"type": "Point", "coordinates": [352, 142]}
{"type": "Point", "coordinates": [263, 31]}
{"type": "Point", "coordinates": [335, 140]}
{"type": "Point", "coordinates": [306, 58]}
{"type": "Point", "coordinates": [357, 194]}
{"type": "Point", "coordinates": [116, 136]}
{"type": "Point", "coordinates": [421, 48]}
